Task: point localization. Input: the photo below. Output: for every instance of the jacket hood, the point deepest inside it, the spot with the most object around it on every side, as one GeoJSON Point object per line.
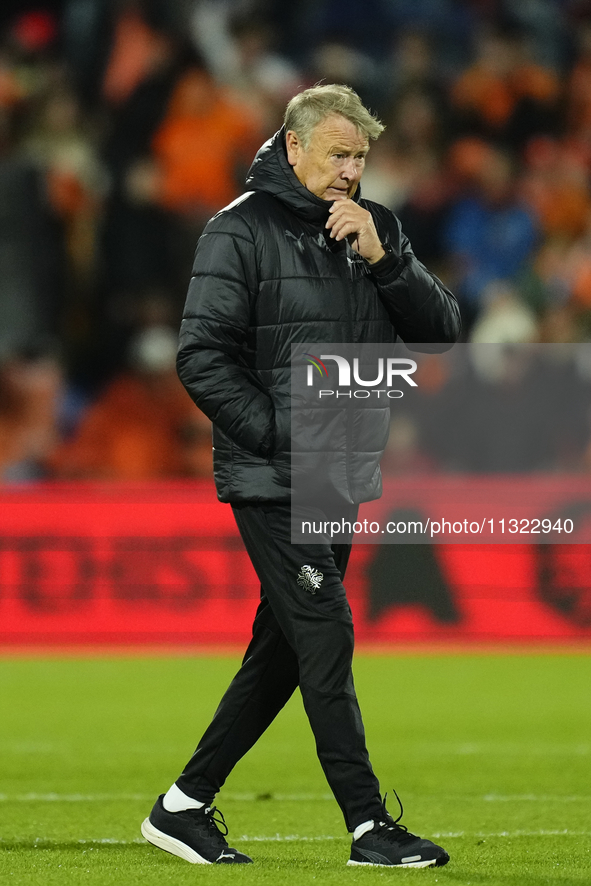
{"type": "Point", "coordinates": [271, 172]}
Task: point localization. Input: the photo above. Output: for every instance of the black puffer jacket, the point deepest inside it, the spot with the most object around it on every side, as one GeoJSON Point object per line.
{"type": "Point", "coordinates": [267, 275]}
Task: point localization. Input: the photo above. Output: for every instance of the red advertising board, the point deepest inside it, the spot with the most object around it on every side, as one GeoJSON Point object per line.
{"type": "Point", "coordinates": [163, 565]}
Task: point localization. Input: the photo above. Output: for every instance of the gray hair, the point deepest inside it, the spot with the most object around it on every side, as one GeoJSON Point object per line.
{"type": "Point", "coordinates": [308, 108]}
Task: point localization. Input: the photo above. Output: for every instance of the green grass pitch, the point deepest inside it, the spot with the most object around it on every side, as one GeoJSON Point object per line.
{"type": "Point", "coordinates": [491, 755]}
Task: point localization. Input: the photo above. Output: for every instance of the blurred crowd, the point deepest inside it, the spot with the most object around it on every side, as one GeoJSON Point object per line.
{"type": "Point", "coordinates": [125, 124]}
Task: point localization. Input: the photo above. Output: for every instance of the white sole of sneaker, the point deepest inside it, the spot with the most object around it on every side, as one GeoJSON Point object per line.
{"type": "Point", "coordinates": [170, 844]}
{"type": "Point", "coordinates": [409, 864]}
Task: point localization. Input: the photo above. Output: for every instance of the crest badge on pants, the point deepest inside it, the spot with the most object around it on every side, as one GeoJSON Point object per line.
{"type": "Point", "coordinates": [310, 579]}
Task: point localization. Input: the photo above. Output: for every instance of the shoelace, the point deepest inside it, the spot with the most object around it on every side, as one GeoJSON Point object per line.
{"type": "Point", "coordinates": [216, 823]}
{"type": "Point", "coordinates": [401, 830]}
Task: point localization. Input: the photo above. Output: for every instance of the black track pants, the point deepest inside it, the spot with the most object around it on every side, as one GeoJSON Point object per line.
{"type": "Point", "coordinates": [299, 638]}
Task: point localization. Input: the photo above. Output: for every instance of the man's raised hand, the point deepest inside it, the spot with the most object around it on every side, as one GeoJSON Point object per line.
{"type": "Point", "coordinates": [349, 219]}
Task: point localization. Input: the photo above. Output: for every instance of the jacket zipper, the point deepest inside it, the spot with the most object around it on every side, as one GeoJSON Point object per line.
{"type": "Point", "coordinates": [350, 294]}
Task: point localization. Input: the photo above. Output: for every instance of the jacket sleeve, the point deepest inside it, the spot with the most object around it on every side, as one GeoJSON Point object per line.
{"type": "Point", "coordinates": [420, 307]}
{"type": "Point", "coordinates": [211, 361]}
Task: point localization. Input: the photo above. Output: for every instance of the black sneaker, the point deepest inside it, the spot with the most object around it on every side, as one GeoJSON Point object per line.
{"type": "Point", "coordinates": [194, 835]}
{"type": "Point", "coordinates": [390, 844]}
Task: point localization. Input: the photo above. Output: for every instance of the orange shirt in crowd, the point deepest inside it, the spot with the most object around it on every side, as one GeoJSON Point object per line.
{"type": "Point", "coordinates": [136, 51]}
{"type": "Point", "coordinates": [205, 135]}
{"type": "Point", "coordinates": [142, 428]}
{"type": "Point", "coordinates": [494, 97]}
{"type": "Point", "coordinates": [556, 184]}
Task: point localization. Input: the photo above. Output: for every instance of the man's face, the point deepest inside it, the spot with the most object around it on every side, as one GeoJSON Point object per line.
{"type": "Point", "coordinates": [333, 163]}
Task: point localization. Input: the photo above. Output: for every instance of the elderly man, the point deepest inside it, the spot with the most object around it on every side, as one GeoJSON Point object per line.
{"type": "Point", "coordinates": [299, 258]}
